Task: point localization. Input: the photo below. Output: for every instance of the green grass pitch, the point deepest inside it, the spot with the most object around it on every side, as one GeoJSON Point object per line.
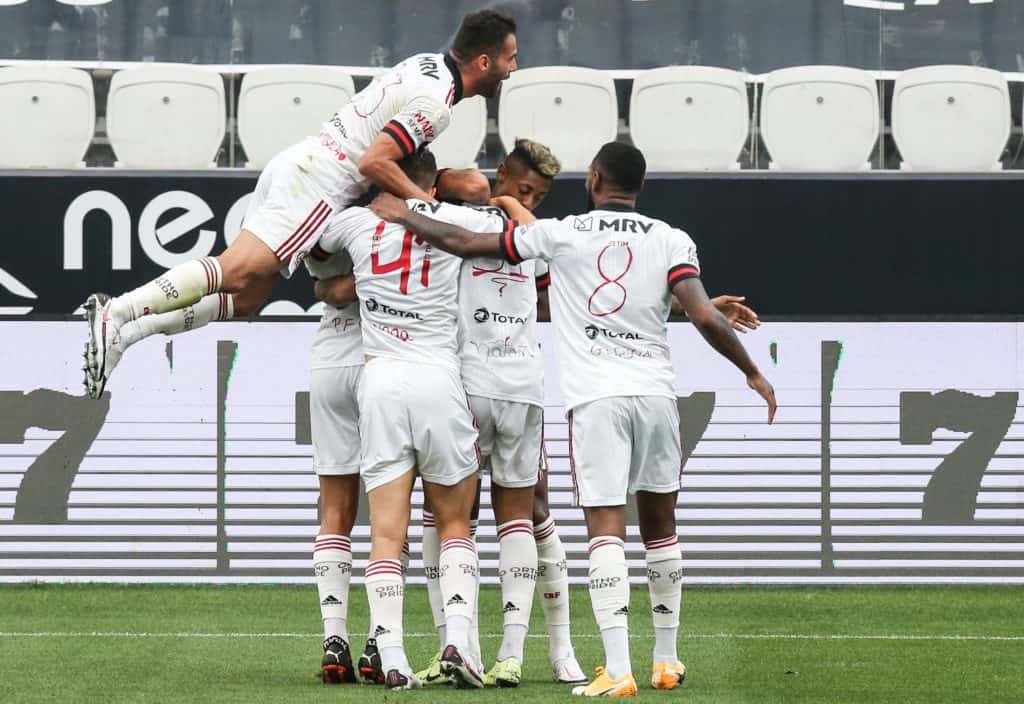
{"type": "Point", "coordinates": [75, 643]}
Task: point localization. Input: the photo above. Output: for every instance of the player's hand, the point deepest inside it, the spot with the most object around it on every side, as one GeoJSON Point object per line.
{"type": "Point", "coordinates": [739, 316]}
{"type": "Point", "coordinates": [764, 389]}
{"type": "Point", "coordinates": [389, 208]}
{"type": "Point", "coordinates": [515, 209]}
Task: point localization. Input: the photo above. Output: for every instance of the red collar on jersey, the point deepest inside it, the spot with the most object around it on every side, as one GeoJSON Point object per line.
{"type": "Point", "coordinates": [456, 76]}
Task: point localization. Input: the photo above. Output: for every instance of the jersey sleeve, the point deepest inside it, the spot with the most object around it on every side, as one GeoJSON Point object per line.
{"type": "Point", "coordinates": [538, 240]}
{"type": "Point", "coordinates": [420, 122]}
{"type": "Point", "coordinates": [542, 274]}
{"type": "Point", "coordinates": [683, 262]}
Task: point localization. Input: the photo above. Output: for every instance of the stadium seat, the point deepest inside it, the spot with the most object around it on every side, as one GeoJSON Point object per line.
{"type": "Point", "coordinates": [819, 118]}
{"type": "Point", "coordinates": [166, 117]}
{"type": "Point", "coordinates": [951, 118]}
{"type": "Point", "coordinates": [689, 118]}
{"type": "Point", "coordinates": [49, 116]}
{"type": "Point", "coordinates": [571, 110]}
{"type": "Point", "coordinates": [277, 107]}
{"type": "Point", "coordinates": [458, 146]}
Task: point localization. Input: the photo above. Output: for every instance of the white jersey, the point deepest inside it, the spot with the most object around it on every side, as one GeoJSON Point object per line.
{"type": "Point", "coordinates": [612, 271]}
{"type": "Point", "coordinates": [408, 289]}
{"type": "Point", "coordinates": [498, 318]}
{"type": "Point", "coordinates": [338, 341]}
{"type": "Point", "coordinates": [411, 103]}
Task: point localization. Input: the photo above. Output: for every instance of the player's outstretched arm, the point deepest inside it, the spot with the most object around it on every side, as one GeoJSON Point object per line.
{"type": "Point", "coordinates": [380, 165]}
{"type": "Point", "coordinates": [717, 330]}
{"type": "Point", "coordinates": [450, 238]}
{"type": "Point", "coordinates": [337, 291]}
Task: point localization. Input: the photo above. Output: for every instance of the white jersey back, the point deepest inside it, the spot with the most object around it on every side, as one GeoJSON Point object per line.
{"type": "Point", "coordinates": [411, 103]}
{"type": "Point", "coordinates": [408, 289]}
{"type": "Point", "coordinates": [498, 317]}
{"type": "Point", "coordinates": [338, 341]}
{"type": "Point", "coordinates": [611, 275]}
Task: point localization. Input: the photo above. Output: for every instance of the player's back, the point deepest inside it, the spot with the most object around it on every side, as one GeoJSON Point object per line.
{"type": "Point", "coordinates": [408, 290]}
{"type": "Point", "coordinates": [338, 341]}
{"type": "Point", "coordinates": [610, 298]}
{"type": "Point", "coordinates": [412, 102]}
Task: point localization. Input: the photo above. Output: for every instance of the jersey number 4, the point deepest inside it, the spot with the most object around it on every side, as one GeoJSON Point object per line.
{"type": "Point", "coordinates": [404, 262]}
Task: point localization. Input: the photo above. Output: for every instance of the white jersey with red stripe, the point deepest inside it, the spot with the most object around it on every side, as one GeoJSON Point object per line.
{"type": "Point", "coordinates": [499, 350]}
{"type": "Point", "coordinates": [408, 290]}
{"type": "Point", "coordinates": [338, 341]}
{"type": "Point", "coordinates": [612, 271]}
{"type": "Point", "coordinates": [411, 103]}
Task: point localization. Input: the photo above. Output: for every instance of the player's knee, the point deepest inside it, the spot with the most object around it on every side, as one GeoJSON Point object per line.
{"type": "Point", "coordinates": [541, 512]}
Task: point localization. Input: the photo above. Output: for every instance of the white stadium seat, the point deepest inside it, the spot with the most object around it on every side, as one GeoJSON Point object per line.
{"type": "Point", "coordinates": [571, 110]}
{"type": "Point", "coordinates": [820, 118]}
{"type": "Point", "coordinates": [951, 118]}
{"type": "Point", "coordinates": [458, 146]}
{"type": "Point", "coordinates": [689, 118]}
{"type": "Point", "coordinates": [166, 117]}
{"type": "Point", "coordinates": [49, 116]}
{"type": "Point", "coordinates": [278, 107]}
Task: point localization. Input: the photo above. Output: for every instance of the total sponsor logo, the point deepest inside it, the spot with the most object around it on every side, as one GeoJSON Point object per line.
{"type": "Point", "coordinates": [593, 332]}
{"type": "Point", "coordinates": [374, 306]}
{"type": "Point", "coordinates": [482, 315]}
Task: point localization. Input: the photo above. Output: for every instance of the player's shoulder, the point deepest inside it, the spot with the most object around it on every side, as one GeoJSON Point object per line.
{"type": "Point", "coordinates": [425, 74]}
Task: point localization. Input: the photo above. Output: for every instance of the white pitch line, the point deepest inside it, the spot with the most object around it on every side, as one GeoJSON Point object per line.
{"type": "Point", "coordinates": [711, 636]}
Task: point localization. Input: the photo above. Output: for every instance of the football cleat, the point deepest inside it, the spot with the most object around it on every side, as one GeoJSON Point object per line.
{"type": "Point", "coordinates": [432, 674]}
{"type": "Point", "coordinates": [505, 673]}
{"type": "Point", "coordinates": [336, 666]}
{"type": "Point", "coordinates": [567, 670]}
{"type": "Point", "coordinates": [400, 680]}
{"type": "Point", "coordinates": [605, 686]}
{"type": "Point", "coordinates": [370, 670]}
{"type": "Point", "coordinates": [668, 675]}
{"type": "Point", "coordinates": [460, 669]}
{"type": "Point", "coordinates": [103, 350]}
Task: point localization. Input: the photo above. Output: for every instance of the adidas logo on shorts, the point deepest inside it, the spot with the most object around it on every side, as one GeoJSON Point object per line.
{"type": "Point", "coordinates": [456, 599]}
{"type": "Point", "coordinates": [661, 609]}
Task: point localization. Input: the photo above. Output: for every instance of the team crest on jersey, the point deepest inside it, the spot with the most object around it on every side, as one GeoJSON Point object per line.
{"type": "Point", "coordinates": [583, 224]}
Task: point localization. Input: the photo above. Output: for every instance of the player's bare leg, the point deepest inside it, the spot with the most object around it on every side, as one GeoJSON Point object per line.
{"type": "Point", "coordinates": [517, 567]}
{"type": "Point", "coordinates": [385, 589]}
{"type": "Point", "coordinates": [664, 580]}
{"type": "Point", "coordinates": [459, 574]}
{"type": "Point", "coordinates": [247, 263]}
{"type": "Point", "coordinates": [332, 566]}
{"type": "Point", "coordinates": [553, 587]}
{"type": "Point", "coordinates": [609, 595]}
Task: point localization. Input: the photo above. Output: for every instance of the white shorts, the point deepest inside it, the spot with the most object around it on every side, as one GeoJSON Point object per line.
{"type": "Point", "coordinates": [334, 419]}
{"type": "Point", "coordinates": [295, 195]}
{"type": "Point", "coordinates": [624, 443]}
{"type": "Point", "coordinates": [414, 415]}
{"type": "Point", "coordinates": [511, 434]}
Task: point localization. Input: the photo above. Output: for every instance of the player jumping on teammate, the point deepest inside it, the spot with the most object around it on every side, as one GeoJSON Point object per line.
{"type": "Point", "coordinates": [301, 187]}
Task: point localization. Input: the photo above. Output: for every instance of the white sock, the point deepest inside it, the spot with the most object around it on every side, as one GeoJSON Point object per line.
{"type": "Point", "coordinates": [216, 306]}
{"type": "Point", "coordinates": [517, 570]}
{"type": "Point", "coordinates": [176, 288]}
{"type": "Point", "coordinates": [460, 576]}
{"type": "Point", "coordinates": [665, 583]}
{"type": "Point", "coordinates": [609, 595]}
{"type": "Point", "coordinates": [332, 566]}
{"type": "Point", "coordinates": [386, 594]}
{"type": "Point", "coordinates": [431, 556]}
{"type": "Point", "coordinates": [553, 586]}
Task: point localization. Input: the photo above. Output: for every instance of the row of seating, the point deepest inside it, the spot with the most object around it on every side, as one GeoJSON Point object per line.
{"type": "Point", "coordinates": [811, 118]}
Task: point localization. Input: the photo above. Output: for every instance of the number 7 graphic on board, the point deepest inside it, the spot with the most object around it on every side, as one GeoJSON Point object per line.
{"type": "Point", "coordinates": [952, 493]}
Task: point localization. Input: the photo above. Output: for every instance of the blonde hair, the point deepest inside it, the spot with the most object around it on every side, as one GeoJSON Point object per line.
{"type": "Point", "coordinates": [538, 157]}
